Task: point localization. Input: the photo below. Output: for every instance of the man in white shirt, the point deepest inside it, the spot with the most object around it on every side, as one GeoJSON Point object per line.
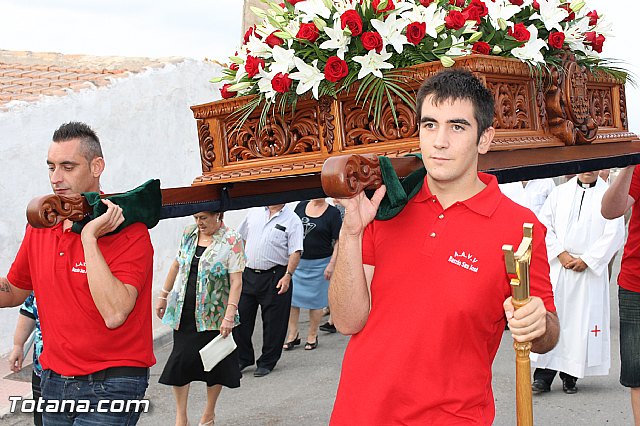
{"type": "Point", "coordinates": [273, 244]}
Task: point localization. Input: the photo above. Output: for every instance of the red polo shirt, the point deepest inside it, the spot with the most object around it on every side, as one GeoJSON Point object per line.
{"type": "Point", "coordinates": [76, 340]}
{"type": "Point", "coordinates": [630, 267]}
{"type": "Point", "coordinates": [425, 354]}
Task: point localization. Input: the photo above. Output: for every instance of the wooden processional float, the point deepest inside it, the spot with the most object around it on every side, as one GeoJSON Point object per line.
{"type": "Point", "coordinates": [568, 122]}
{"type": "Point", "coordinates": [564, 122]}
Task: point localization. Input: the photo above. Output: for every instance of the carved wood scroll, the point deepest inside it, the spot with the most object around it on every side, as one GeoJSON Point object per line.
{"type": "Point", "coordinates": [49, 210]}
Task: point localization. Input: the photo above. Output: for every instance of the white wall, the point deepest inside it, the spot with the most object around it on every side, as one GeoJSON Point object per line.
{"type": "Point", "coordinates": [147, 131]}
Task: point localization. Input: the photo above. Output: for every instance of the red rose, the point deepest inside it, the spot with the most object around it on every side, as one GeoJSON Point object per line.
{"type": "Point", "coordinates": [593, 17]}
{"type": "Point", "coordinates": [272, 40]}
{"type": "Point", "coordinates": [416, 32]}
{"type": "Point", "coordinates": [596, 41]}
{"type": "Point", "coordinates": [226, 94]}
{"type": "Point", "coordinates": [376, 6]}
{"type": "Point", "coordinates": [535, 5]}
{"type": "Point", "coordinates": [481, 47]}
{"type": "Point", "coordinates": [371, 40]}
{"type": "Point", "coordinates": [520, 32]}
{"type": "Point", "coordinates": [282, 5]}
{"type": "Point", "coordinates": [234, 66]}
{"type": "Point", "coordinates": [281, 83]}
{"type": "Point", "coordinates": [293, 2]}
{"type": "Point", "coordinates": [336, 69]}
{"type": "Point", "coordinates": [454, 20]}
{"type": "Point", "coordinates": [457, 3]}
{"type": "Point", "coordinates": [426, 3]}
{"type": "Point", "coordinates": [476, 10]}
{"type": "Point", "coordinates": [308, 32]}
{"type": "Point", "coordinates": [252, 65]}
{"type": "Point", "coordinates": [556, 39]}
{"type": "Point", "coordinates": [516, 2]}
{"type": "Point", "coordinates": [251, 31]}
{"type": "Point", "coordinates": [352, 19]}
{"type": "Point", "coordinates": [571, 16]}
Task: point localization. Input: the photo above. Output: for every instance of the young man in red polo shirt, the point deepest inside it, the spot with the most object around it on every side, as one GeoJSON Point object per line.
{"type": "Point", "coordinates": [622, 195]}
{"type": "Point", "coordinates": [94, 296]}
{"type": "Point", "coordinates": [425, 294]}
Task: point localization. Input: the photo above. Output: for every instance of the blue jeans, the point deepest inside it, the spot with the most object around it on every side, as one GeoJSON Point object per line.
{"type": "Point", "coordinates": [92, 403]}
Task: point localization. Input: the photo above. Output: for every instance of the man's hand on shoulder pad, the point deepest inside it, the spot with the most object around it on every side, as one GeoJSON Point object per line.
{"type": "Point", "coordinates": [104, 223]}
{"type": "Point", "coordinates": [360, 211]}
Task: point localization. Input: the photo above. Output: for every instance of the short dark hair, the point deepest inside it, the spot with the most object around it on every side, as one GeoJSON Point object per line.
{"type": "Point", "coordinates": [89, 142]}
{"type": "Point", "coordinates": [454, 84]}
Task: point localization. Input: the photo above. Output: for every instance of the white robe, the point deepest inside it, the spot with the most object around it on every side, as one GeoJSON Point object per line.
{"type": "Point", "coordinates": [581, 298]}
{"type": "Point", "coordinates": [532, 195]}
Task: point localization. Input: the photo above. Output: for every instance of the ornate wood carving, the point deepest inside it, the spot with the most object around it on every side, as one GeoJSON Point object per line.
{"type": "Point", "coordinates": [512, 101]}
{"type": "Point", "coordinates": [49, 210]}
{"type": "Point", "coordinates": [568, 105]}
{"type": "Point", "coordinates": [346, 175]}
{"type": "Point", "coordinates": [327, 122]}
{"type": "Point", "coordinates": [207, 153]}
{"type": "Point", "coordinates": [623, 107]}
{"type": "Point", "coordinates": [280, 135]}
{"type": "Point", "coordinates": [601, 106]}
{"type": "Point", "coordinates": [359, 127]}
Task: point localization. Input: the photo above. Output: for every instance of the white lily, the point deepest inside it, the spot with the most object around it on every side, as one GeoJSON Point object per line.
{"type": "Point", "coordinates": [342, 6]}
{"type": "Point", "coordinates": [309, 9]}
{"type": "Point", "coordinates": [282, 60]}
{"type": "Point", "coordinates": [574, 34]}
{"type": "Point", "coordinates": [373, 63]}
{"type": "Point", "coordinates": [531, 51]}
{"type": "Point", "coordinates": [550, 14]}
{"type": "Point", "coordinates": [264, 83]}
{"type": "Point", "coordinates": [458, 47]}
{"type": "Point", "coordinates": [432, 16]}
{"type": "Point", "coordinates": [391, 31]}
{"type": "Point", "coordinates": [339, 39]}
{"type": "Point", "coordinates": [309, 76]}
{"type": "Point", "coordinates": [500, 10]}
{"type": "Point", "coordinates": [258, 48]}
{"type": "Point", "coordinates": [604, 27]}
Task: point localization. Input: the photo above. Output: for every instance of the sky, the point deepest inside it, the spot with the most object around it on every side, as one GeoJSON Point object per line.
{"type": "Point", "coordinates": [152, 28]}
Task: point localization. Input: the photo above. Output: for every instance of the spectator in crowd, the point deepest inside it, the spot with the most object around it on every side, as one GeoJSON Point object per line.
{"type": "Point", "coordinates": [321, 223]}
{"type": "Point", "coordinates": [580, 244]}
{"type": "Point", "coordinates": [28, 325]}
{"type": "Point", "coordinates": [199, 305]}
{"type": "Point", "coordinates": [273, 243]}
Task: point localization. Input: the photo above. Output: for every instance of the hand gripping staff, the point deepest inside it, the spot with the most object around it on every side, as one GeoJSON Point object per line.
{"type": "Point", "coordinates": [518, 270]}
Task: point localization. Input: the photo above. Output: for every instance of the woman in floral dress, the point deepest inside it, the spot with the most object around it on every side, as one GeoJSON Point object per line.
{"type": "Point", "coordinates": [199, 300]}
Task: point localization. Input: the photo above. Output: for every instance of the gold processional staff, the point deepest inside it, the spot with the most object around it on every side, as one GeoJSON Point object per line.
{"type": "Point", "coordinates": [518, 270]}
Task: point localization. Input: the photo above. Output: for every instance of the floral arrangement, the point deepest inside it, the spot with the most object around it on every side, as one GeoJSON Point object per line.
{"type": "Point", "coordinates": [322, 47]}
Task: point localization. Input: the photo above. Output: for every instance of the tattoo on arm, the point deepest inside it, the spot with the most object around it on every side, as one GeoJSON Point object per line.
{"type": "Point", "coordinates": [4, 285]}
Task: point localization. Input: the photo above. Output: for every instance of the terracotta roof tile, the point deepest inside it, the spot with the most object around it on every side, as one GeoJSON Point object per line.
{"type": "Point", "coordinates": [26, 76]}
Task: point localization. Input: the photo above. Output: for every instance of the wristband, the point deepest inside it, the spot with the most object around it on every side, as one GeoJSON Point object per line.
{"type": "Point", "coordinates": [289, 273]}
{"type": "Point", "coordinates": [163, 298]}
{"type": "Point", "coordinates": [228, 319]}
{"type": "Point", "coordinates": [164, 291]}
{"type": "Point", "coordinates": [232, 304]}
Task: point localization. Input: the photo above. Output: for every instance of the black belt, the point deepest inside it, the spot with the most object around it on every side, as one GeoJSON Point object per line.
{"type": "Point", "coordinates": [106, 373]}
{"type": "Point", "coordinates": [264, 271]}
